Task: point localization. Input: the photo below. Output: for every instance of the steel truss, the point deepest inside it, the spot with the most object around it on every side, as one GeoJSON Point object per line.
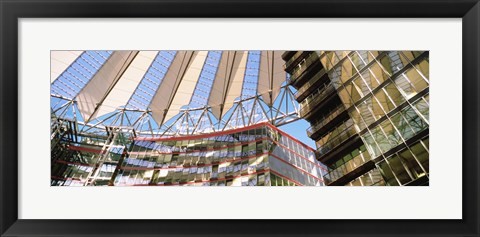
{"type": "Point", "coordinates": [188, 121]}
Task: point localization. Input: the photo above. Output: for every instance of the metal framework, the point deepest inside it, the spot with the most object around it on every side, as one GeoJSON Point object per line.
{"type": "Point", "coordinates": [195, 118]}
{"type": "Point", "coordinates": [245, 112]}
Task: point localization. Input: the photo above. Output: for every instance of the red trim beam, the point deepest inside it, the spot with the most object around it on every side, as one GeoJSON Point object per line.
{"type": "Point", "coordinates": [213, 134]}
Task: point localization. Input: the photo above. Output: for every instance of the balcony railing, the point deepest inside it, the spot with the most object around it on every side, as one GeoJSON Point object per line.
{"type": "Point", "coordinates": [293, 58]}
{"type": "Point", "coordinates": [314, 98]}
{"type": "Point", "coordinates": [297, 71]}
{"type": "Point", "coordinates": [337, 140]}
{"type": "Point", "coordinates": [348, 166]}
{"type": "Point", "coordinates": [310, 82]}
{"type": "Point", "coordinates": [329, 117]}
{"type": "Point", "coordinates": [371, 178]}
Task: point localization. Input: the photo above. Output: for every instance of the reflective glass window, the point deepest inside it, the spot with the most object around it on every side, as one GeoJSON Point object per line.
{"type": "Point", "coordinates": [402, 126]}
{"type": "Point", "coordinates": [347, 70]}
{"type": "Point", "coordinates": [411, 163]}
{"type": "Point", "coordinates": [345, 97]}
{"type": "Point", "coordinates": [423, 107]}
{"type": "Point", "coordinates": [357, 60]}
{"type": "Point", "coordinates": [418, 82]}
{"type": "Point", "coordinates": [422, 155]}
{"type": "Point", "coordinates": [384, 100]}
{"type": "Point", "coordinates": [387, 173]}
{"type": "Point", "coordinates": [370, 144]}
{"type": "Point", "coordinates": [399, 170]}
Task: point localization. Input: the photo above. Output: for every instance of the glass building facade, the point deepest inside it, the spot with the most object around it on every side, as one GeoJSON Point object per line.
{"type": "Point", "coordinates": [369, 113]}
{"type": "Point", "coordinates": [258, 155]}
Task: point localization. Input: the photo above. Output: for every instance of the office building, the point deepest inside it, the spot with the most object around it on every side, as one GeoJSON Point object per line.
{"type": "Point", "coordinates": [257, 155]}
{"type": "Point", "coordinates": [369, 113]}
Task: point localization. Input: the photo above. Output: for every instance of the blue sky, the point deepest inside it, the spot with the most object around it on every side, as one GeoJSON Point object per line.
{"type": "Point", "coordinates": [298, 130]}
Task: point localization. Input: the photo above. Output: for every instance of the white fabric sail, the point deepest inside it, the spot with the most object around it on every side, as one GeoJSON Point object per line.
{"type": "Point", "coordinates": [94, 93]}
{"type": "Point", "coordinates": [127, 84]}
{"type": "Point", "coordinates": [116, 81]}
{"type": "Point", "coordinates": [163, 98]}
{"type": "Point", "coordinates": [187, 85]}
{"type": "Point", "coordinates": [228, 81]}
{"type": "Point", "coordinates": [271, 75]}
{"type": "Point", "coordinates": [236, 84]}
{"type": "Point", "coordinates": [60, 60]}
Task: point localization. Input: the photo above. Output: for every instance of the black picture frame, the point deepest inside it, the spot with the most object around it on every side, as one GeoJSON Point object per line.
{"type": "Point", "coordinates": [11, 11]}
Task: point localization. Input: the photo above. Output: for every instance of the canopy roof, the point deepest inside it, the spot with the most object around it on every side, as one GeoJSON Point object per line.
{"type": "Point", "coordinates": [163, 83]}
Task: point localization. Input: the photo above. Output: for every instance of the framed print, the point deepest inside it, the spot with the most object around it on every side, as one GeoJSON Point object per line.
{"type": "Point", "coordinates": [239, 118]}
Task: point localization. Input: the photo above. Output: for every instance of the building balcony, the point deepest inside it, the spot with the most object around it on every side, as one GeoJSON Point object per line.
{"type": "Point", "coordinates": [310, 85]}
{"type": "Point", "coordinates": [312, 102]}
{"type": "Point", "coordinates": [349, 170]}
{"type": "Point", "coordinates": [288, 54]}
{"type": "Point", "coordinates": [304, 65]}
{"type": "Point", "coordinates": [346, 138]}
{"type": "Point", "coordinates": [295, 59]}
{"type": "Point", "coordinates": [372, 177]}
{"type": "Point", "coordinates": [315, 129]}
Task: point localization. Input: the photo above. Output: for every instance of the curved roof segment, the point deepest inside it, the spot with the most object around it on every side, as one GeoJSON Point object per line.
{"type": "Point", "coordinates": [165, 83]}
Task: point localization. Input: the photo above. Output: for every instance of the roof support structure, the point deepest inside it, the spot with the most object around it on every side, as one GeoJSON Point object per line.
{"type": "Point", "coordinates": [127, 84]}
{"type": "Point", "coordinates": [228, 82]}
{"type": "Point", "coordinates": [163, 98]}
{"type": "Point", "coordinates": [271, 75]}
{"type": "Point", "coordinates": [96, 91]}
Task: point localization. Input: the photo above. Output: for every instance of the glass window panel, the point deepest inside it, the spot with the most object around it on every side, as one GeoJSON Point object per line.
{"type": "Point", "coordinates": [411, 163]}
{"type": "Point", "coordinates": [417, 53]}
{"type": "Point", "coordinates": [359, 124]}
{"type": "Point", "coordinates": [366, 113]}
{"type": "Point", "coordinates": [332, 58]}
{"type": "Point", "coordinates": [377, 72]}
{"type": "Point", "coordinates": [167, 158]}
{"type": "Point", "coordinates": [362, 87]}
{"type": "Point", "coordinates": [399, 169]}
{"type": "Point", "coordinates": [372, 55]}
{"type": "Point", "coordinates": [387, 65]}
{"type": "Point", "coordinates": [357, 60]}
{"type": "Point", "coordinates": [345, 97]}
{"type": "Point", "coordinates": [334, 75]}
{"type": "Point", "coordinates": [377, 108]}
{"type": "Point", "coordinates": [366, 181]}
{"type": "Point", "coordinates": [347, 70]}
{"type": "Point", "coordinates": [396, 64]}
{"type": "Point", "coordinates": [407, 56]}
{"type": "Point", "coordinates": [370, 79]}
{"type": "Point", "coordinates": [326, 62]}
{"type": "Point", "coordinates": [392, 135]}
{"type": "Point", "coordinates": [356, 182]}
{"type": "Point", "coordinates": [405, 86]}
{"type": "Point", "coordinates": [424, 68]}
{"type": "Point", "coordinates": [417, 123]}
{"type": "Point", "coordinates": [423, 107]}
{"type": "Point", "coordinates": [384, 100]}
{"type": "Point", "coordinates": [354, 92]}
{"type": "Point", "coordinates": [387, 173]}
{"type": "Point", "coordinates": [365, 56]}
{"type": "Point", "coordinates": [370, 144]}
{"type": "Point", "coordinates": [418, 82]}
{"type": "Point", "coordinates": [402, 126]}
{"type": "Point", "coordinates": [381, 140]}
{"type": "Point", "coordinates": [422, 155]}
{"type": "Point", "coordinates": [394, 94]}
{"type": "Point", "coordinates": [426, 142]}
